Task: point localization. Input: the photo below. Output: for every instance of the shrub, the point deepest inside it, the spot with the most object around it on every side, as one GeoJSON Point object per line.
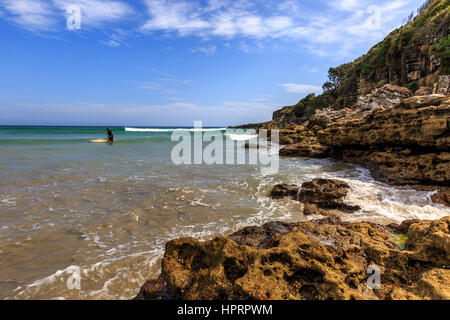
{"type": "Point", "coordinates": [413, 86]}
{"type": "Point", "coordinates": [444, 52]}
{"type": "Point", "coordinates": [381, 83]}
{"type": "Point", "coordinates": [367, 69]}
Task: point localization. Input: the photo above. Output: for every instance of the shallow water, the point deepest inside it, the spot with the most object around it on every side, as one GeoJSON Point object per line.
{"type": "Point", "coordinates": [70, 207]}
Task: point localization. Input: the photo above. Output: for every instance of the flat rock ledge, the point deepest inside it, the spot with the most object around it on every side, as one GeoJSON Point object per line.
{"type": "Point", "coordinates": [315, 260]}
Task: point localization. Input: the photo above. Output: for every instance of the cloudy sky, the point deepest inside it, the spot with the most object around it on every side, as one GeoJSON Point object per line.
{"type": "Point", "coordinates": [170, 62]}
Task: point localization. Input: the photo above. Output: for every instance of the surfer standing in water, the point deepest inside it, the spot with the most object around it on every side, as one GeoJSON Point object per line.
{"type": "Point", "coordinates": [110, 135]}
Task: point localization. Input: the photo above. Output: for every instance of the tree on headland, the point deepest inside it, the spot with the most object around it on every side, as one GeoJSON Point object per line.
{"type": "Point", "coordinates": [336, 77]}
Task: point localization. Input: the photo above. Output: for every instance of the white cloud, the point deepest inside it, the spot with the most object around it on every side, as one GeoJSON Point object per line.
{"type": "Point", "coordinates": [174, 80]}
{"type": "Point", "coordinates": [161, 84]}
{"type": "Point", "coordinates": [116, 39]}
{"type": "Point", "coordinates": [346, 5]}
{"type": "Point", "coordinates": [245, 106]}
{"type": "Point", "coordinates": [244, 47]}
{"type": "Point", "coordinates": [221, 18]}
{"type": "Point", "coordinates": [46, 15]}
{"type": "Point", "coordinates": [332, 28]}
{"type": "Point", "coordinates": [169, 15]}
{"type": "Point", "coordinates": [342, 24]}
{"type": "Point", "coordinates": [184, 105]}
{"type": "Point", "coordinates": [209, 50]}
{"type": "Point", "coordinates": [33, 15]}
{"type": "Point", "coordinates": [300, 88]}
{"type": "Point", "coordinates": [111, 43]}
{"type": "Point", "coordinates": [157, 87]}
{"type": "Point", "coordinates": [279, 23]}
{"type": "Point", "coordinates": [97, 12]}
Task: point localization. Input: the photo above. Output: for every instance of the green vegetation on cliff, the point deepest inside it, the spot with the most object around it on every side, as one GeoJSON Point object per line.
{"type": "Point", "coordinates": [444, 51]}
{"type": "Point", "coordinates": [413, 56]}
{"type": "Point", "coordinates": [305, 107]}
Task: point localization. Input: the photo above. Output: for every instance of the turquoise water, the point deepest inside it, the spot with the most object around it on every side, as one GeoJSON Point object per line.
{"type": "Point", "coordinates": [105, 211]}
{"type": "Point", "coordinates": [81, 135]}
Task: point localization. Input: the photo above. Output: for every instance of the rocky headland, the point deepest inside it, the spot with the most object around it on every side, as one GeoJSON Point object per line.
{"type": "Point", "coordinates": [389, 111]}
{"type": "Point", "coordinates": [403, 139]}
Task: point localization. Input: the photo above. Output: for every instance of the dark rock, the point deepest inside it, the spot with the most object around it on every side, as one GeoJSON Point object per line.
{"type": "Point", "coordinates": [312, 209]}
{"type": "Point", "coordinates": [251, 146]}
{"type": "Point", "coordinates": [442, 86]}
{"type": "Point", "coordinates": [325, 194]}
{"type": "Point", "coordinates": [156, 290]}
{"type": "Point", "coordinates": [307, 149]}
{"type": "Point", "coordinates": [423, 91]}
{"type": "Point", "coordinates": [264, 237]}
{"type": "Point", "coordinates": [442, 198]}
{"type": "Point", "coordinates": [284, 191]}
{"type": "Point", "coordinates": [317, 195]}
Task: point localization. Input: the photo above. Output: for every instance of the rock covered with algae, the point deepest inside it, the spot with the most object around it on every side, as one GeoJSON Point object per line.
{"type": "Point", "coordinates": [315, 260]}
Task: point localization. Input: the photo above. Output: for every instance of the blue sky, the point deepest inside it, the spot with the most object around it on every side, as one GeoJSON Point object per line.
{"type": "Point", "coordinates": [170, 62]}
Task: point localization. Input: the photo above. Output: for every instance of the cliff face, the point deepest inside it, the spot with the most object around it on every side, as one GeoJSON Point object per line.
{"type": "Point", "coordinates": [413, 56]}
{"type": "Point", "coordinates": [409, 56]}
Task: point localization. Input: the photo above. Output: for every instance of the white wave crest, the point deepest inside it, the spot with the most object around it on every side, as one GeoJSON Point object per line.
{"type": "Point", "coordinates": [241, 137]}
{"type": "Point", "coordinates": [172, 129]}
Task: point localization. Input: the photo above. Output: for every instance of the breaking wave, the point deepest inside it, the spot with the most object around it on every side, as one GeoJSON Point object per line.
{"type": "Point", "coordinates": [172, 129]}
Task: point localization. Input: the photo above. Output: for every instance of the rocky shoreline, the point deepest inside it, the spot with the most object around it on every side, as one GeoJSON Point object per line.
{"type": "Point", "coordinates": [316, 260]}
{"type": "Point", "coordinates": [404, 140]}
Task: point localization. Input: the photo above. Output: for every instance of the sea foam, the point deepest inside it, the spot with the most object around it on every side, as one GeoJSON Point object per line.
{"type": "Point", "coordinates": [172, 129]}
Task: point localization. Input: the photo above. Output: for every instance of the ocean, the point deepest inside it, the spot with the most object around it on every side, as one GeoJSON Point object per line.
{"type": "Point", "coordinates": [82, 220]}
